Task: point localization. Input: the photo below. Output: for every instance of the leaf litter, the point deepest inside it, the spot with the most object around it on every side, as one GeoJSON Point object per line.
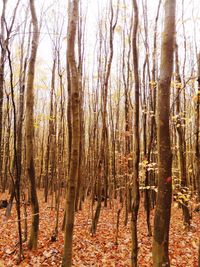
{"type": "Point", "coordinates": [98, 250]}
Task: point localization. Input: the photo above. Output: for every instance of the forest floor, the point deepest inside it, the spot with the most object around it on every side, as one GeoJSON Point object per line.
{"type": "Point", "coordinates": [100, 249]}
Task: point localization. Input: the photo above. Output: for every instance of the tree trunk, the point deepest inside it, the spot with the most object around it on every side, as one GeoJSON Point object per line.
{"type": "Point", "coordinates": [135, 182]}
{"type": "Point", "coordinates": [74, 162]}
{"type": "Point", "coordinates": [50, 138]}
{"type": "Point", "coordinates": [197, 143]}
{"type": "Point", "coordinates": [2, 63]}
{"type": "Point", "coordinates": [163, 207]}
{"type": "Point", "coordinates": [181, 140]}
{"type": "Point", "coordinates": [30, 131]}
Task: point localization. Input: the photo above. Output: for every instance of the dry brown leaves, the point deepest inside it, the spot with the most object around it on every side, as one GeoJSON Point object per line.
{"type": "Point", "coordinates": [98, 250]}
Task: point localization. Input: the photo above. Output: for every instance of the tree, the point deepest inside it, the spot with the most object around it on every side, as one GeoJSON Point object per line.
{"type": "Point", "coordinates": [163, 207]}
{"type": "Point", "coordinates": [197, 143]}
{"type": "Point", "coordinates": [75, 138]}
{"type": "Point", "coordinates": [3, 43]}
{"type": "Point", "coordinates": [135, 183]}
{"type": "Point", "coordinates": [30, 131]}
{"type": "Point", "coordinates": [181, 139]}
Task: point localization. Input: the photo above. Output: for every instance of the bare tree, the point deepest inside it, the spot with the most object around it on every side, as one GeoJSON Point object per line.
{"type": "Point", "coordinates": [30, 130]}
{"type": "Point", "coordinates": [163, 207]}
{"type": "Point", "coordinates": [74, 160]}
{"type": "Point", "coordinates": [3, 43]}
{"type": "Point", "coordinates": [135, 183]}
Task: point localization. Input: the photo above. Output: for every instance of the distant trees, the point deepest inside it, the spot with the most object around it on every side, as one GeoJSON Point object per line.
{"type": "Point", "coordinates": [104, 153]}
{"type": "Point", "coordinates": [181, 138]}
{"type": "Point", "coordinates": [108, 126]}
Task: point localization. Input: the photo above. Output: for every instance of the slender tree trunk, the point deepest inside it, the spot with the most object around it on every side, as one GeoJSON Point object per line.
{"type": "Point", "coordinates": [81, 119]}
{"type": "Point", "coordinates": [2, 63]}
{"type": "Point", "coordinates": [17, 185]}
{"type": "Point", "coordinates": [30, 131]}
{"type": "Point", "coordinates": [135, 183]}
{"type": "Point", "coordinates": [7, 146]}
{"type": "Point", "coordinates": [103, 162]}
{"type": "Point", "coordinates": [163, 207]}
{"type": "Point", "coordinates": [153, 92]}
{"type": "Point", "coordinates": [181, 139]}
{"type": "Point", "coordinates": [50, 139]}
{"type": "Point", "coordinates": [74, 162]}
{"type": "Point", "coordinates": [197, 141]}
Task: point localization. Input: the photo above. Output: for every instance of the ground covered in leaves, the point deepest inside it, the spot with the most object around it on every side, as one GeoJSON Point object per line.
{"type": "Point", "coordinates": [100, 249]}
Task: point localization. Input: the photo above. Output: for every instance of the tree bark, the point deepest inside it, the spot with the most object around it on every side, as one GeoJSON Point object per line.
{"type": "Point", "coordinates": [181, 140]}
{"type": "Point", "coordinates": [2, 66]}
{"type": "Point", "coordinates": [197, 142]}
{"type": "Point", "coordinates": [74, 162]}
{"type": "Point", "coordinates": [30, 131]}
{"type": "Point", "coordinates": [163, 207]}
{"type": "Point", "coordinates": [135, 182]}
